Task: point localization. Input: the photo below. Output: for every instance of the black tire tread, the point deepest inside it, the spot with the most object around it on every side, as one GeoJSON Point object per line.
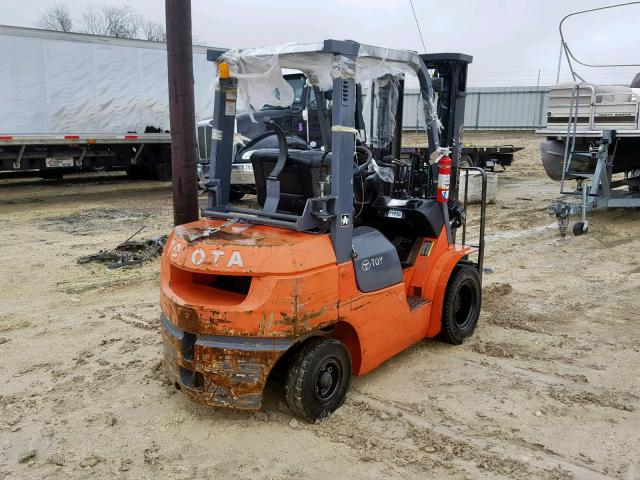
{"type": "Point", "coordinates": [300, 364]}
{"type": "Point", "coordinates": [460, 272]}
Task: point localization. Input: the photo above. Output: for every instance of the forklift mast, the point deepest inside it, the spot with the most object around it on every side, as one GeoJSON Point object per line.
{"type": "Point", "coordinates": [452, 91]}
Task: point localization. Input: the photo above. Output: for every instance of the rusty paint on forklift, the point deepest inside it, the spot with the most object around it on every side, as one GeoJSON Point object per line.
{"type": "Point", "coordinates": [213, 372]}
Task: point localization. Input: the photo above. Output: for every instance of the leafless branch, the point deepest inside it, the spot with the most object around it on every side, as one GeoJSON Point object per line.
{"type": "Point", "coordinates": [153, 31]}
{"type": "Point", "coordinates": [106, 20]}
{"type": "Point", "coordinates": [119, 22]}
{"type": "Point", "coordinates": [57, 18]}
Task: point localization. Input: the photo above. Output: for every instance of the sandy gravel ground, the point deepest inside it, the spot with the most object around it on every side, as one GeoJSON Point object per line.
{"type": "Point", "coordinates": [548, 388]}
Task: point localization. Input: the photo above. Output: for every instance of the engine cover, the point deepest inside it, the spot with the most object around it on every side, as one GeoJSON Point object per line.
{"type": "Point", "coordinates": [376, 263]}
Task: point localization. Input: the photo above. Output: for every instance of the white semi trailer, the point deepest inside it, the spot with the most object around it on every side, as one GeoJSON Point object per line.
{"type": "Point", "coordinates": [75, 102]}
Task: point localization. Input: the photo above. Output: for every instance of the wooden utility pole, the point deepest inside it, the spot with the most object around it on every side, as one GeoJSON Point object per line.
{"type": "Point", "coordinates": [182, 111]}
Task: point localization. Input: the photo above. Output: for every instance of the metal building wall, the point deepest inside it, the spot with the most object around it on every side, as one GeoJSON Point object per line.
{"type": "Point", "coordinates": [490, 108]}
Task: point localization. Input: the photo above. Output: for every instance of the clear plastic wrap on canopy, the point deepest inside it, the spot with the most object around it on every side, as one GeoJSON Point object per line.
{"type": "Point", "coordinates": [380, 105]}
{"type": "Point", "coordinates": [377, 69]}
{"type": "Point", "coordinates": [260, 80]}
{"type": "Point", "coordinates": [258, 64]}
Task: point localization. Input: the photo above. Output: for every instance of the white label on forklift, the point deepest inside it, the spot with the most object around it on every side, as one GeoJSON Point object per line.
{"type": "Point", "coordinates": [175, 248]}
{"type": "Point", "coordinates": [230, 108]}
{"type": "Point", "coordinates": [235, 259]}
{"type": "Point", "coordinates": [345, 220]}
{"type": "Point", "coordinates": [219, 258]}
{"type": "Point", "coordinates": [395, 214]}
{"type": "Point", "coordinates": [198, 256]}
{"type": "Point", "coordinates": [369, 263]}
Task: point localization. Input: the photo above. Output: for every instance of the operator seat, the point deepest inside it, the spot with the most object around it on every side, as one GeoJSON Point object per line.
{"type": "Point", "coordinates": [299, 180]}
{"type": "Point", "coordinates": [422, 217]}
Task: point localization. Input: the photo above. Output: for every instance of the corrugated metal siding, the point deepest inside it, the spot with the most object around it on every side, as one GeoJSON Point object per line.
{"type": "Point", "coordinates": [491, 108]}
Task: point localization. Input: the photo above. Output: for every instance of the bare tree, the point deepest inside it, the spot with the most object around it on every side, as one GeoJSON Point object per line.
{"type": "Point", "coordinates": [56, 17]}
{"type": "Point", "coordinates": [107, 20]}
{"type": "Point", "coordinates": [119, 22]}
{"type": "Point", "coordinates": [153, 31]}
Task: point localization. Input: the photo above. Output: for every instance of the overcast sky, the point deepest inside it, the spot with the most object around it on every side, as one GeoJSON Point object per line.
{"type": "Point", "coordinates": [509, 40]}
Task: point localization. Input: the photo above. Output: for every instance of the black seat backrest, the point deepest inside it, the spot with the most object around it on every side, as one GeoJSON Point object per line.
{"type": "Point", "coordinates": [422, 217]}
{"type": "Point", "coordinates": [299, 179]}
{"type": "Point", "coordinates": [635, 83]}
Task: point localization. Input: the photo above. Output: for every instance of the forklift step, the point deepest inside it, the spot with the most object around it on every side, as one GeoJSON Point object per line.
{"type": "Point", "coordinates": [416, 302]}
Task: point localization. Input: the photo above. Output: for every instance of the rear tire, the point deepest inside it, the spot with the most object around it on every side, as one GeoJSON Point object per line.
{"type": "Point", "coordinates": [318, 378]}
{"type": "Point", "coordinates": [462, 305]}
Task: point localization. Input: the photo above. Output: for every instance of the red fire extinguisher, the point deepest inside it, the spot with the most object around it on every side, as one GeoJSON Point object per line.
{"type": "Point", "coordinates": [444, 179]}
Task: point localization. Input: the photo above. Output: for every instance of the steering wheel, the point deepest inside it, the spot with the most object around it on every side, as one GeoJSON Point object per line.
{"type": "Point", "coordinates": [367, 162]}
{"type": "Point", "coordinates": [272, 129]}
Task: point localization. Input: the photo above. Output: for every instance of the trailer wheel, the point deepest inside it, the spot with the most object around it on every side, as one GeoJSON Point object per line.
{"type": "Point", "coordinates": [466, 161]}
{"type": "Point", "coordinates": [462, 305]}
{"type": "Point", "coordinates": [318, 378]}
{"type": "Point", "coordinates": [580, 228]}
{"type": "Point", "coordinates": [162, 171]}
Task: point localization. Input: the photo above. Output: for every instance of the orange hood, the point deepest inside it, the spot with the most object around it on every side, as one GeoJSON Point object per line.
{"type": "Point", "coordinates": [247, 249]}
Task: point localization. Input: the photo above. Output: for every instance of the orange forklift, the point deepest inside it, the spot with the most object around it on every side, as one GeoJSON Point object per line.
{"type": "Point", "coordinates": [350, 256]}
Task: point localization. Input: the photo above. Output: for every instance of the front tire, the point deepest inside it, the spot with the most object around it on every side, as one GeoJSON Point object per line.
{"type": "Point", "coordinates": [318, 378]}
{"type": "Point", "coordinates": [462, 305]}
